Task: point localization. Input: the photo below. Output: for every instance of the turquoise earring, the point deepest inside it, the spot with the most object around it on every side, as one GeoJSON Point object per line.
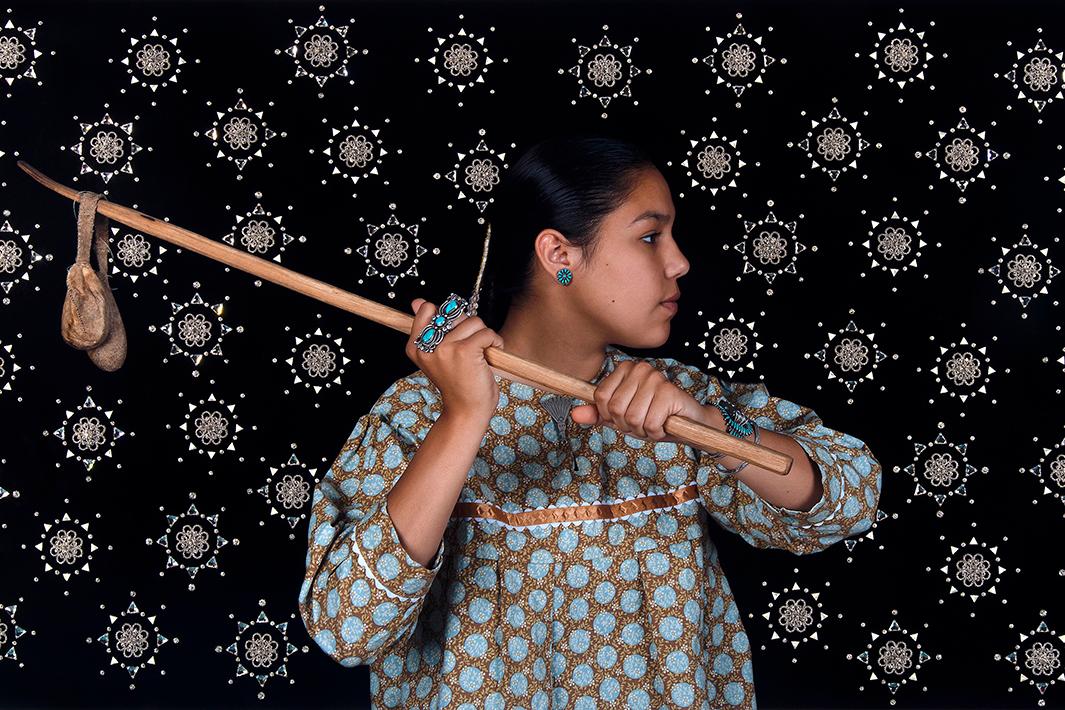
{"type": "Point", "coordinates": [564, 276]}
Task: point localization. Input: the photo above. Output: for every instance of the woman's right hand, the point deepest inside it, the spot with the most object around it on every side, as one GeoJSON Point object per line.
{"type": "Point", "coordinates": [457, 366]}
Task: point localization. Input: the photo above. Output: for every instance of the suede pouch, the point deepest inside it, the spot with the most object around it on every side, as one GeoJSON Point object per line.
{"type": "Point", "coordinates": [90, 320]}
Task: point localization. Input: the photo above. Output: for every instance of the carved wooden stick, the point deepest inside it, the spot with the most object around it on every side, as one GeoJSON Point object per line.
{"type": "Point", "coordinates": [681, 427]}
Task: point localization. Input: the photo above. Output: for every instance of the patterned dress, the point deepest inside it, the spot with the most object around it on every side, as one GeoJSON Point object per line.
{"type": "Point", "coordinates": [578, 569]}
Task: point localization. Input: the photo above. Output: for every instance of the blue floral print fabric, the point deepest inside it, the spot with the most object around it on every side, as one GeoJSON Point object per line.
{"type": "Point", "coordinates": [634, 611]}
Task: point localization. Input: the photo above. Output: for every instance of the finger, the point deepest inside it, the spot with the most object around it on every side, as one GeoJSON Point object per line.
{"type": "Point", "coordinates": [586, 414]}
{"type": "Point", "coordinates": [640, 404]}
{"type": "Point", "coordinates": [655, 421]}
{"type": "Point", "coordinates": [480, 339]}
{"type": "Point", "coordinates": [636, 398]}
{"type": "Point", "coordinates": [605, 391]}
{"type": "Point", "coordinates": [425, 312]}
{"type": "Point", "coordinates": [621, 403]}
{"type": "Point", "coordinates": [465, 328]}
{"type": "Point", "coordinates": [669, 400]}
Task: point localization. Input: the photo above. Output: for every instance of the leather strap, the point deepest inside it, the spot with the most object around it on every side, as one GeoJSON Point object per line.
{"type": "Point", "coordinates": [88, 221]}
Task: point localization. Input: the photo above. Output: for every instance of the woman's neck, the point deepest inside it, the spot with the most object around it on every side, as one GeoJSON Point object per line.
{"type": "Point", "coordinates": [563, 346]}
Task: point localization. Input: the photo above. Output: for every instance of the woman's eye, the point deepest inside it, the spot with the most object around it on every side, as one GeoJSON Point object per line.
{"type": "Point", "coordinates": [650, 236]}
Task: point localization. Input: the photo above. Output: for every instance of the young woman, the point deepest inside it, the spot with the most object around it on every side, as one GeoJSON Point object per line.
{"type": "Point", "coordinates": [480, 542]}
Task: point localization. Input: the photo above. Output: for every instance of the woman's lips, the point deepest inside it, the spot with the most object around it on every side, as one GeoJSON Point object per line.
{"type": "Point", "coordinates": [671, 306]}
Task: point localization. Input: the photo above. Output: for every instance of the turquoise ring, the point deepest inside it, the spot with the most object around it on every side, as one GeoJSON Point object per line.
{"type": "Point", "coordinates": [444, 320]}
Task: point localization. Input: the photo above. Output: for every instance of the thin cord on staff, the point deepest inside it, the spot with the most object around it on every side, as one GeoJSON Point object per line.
{"type": "Point", "coordinates": [475, 296]}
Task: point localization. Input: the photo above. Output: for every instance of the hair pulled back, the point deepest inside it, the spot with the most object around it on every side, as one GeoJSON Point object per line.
{"type": "Point", "coordinates": [569, 183]}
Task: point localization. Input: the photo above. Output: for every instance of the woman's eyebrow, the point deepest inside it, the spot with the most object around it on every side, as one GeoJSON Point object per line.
{"type": "Point", "coordinates": [651, 214]}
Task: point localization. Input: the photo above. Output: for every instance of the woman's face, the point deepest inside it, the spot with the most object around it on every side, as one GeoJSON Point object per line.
{"type": "Point", "coordinates": [635, 269]}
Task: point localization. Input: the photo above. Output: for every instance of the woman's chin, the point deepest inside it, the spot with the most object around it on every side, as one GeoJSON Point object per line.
{"type": "Point", "coordinates": [654, 337]}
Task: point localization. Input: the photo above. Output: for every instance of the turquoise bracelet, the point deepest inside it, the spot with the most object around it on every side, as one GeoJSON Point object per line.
{"type": "Point", "coordinates": [743, 465]}
{"type": "Point", "coordinates": [737, 424]}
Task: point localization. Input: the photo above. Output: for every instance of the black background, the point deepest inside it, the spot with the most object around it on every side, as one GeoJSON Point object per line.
{"type": "Point", "coordinates": [892, 574]}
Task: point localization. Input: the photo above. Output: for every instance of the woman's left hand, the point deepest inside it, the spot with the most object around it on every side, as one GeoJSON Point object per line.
{"type": "Point", "coordinates": [636, 399]}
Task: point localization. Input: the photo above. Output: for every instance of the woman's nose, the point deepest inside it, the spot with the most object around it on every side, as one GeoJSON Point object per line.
{"type": "Point", "coordinates": [681, 264]}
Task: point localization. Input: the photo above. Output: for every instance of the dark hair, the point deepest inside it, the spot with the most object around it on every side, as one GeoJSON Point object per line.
{"type": "Point", "coordinates": [569, 183]}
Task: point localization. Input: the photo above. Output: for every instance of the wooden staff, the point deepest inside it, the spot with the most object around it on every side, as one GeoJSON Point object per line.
{"type": "Point", "coordinates": [690, 431]}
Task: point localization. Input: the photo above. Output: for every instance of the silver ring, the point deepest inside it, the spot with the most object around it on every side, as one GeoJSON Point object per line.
{"type": "Point", "coordinates": [444, 320]}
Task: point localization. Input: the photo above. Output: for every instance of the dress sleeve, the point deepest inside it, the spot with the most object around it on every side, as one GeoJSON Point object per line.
{"type": "Point", "coordinates": [362, 593]}
{"type": "Point", "coordinates": [850, 474]}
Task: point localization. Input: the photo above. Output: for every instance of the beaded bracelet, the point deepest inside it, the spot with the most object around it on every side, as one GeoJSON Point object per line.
{"type": "Point", "coordinates": [732, 471]}
{"type": "Point", "coordinates": [737, 424]}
